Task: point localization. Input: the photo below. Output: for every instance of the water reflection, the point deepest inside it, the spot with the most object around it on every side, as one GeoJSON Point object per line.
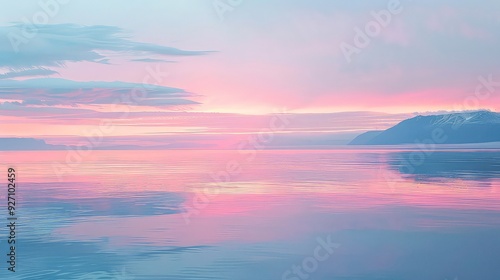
{"type": "Point", "coordinates": [465, 165]}
{"type": "Point", "coordinates": [261, 222]}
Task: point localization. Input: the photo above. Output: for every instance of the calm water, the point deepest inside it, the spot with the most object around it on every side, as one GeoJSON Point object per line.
{"type": "Point", "coordinates": [344, 214]}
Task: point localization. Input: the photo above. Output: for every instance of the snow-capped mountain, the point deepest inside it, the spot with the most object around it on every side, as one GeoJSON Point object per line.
{"type": "Point", "coordinates": [454, 128]}
{"type": "Point", "coordinates": [477, 117]}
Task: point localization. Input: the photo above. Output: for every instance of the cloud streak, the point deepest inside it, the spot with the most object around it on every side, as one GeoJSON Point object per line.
{"type": "Point", "coordinates": [52, 92]}
{"type": "Point", "coordinates": [57, 44]}
{"type": "Point", "coordinates": [28, 73]}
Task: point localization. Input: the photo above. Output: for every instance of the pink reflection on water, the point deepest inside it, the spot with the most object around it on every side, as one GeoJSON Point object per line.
{"type": "Point", "coordinates": [276, 196]}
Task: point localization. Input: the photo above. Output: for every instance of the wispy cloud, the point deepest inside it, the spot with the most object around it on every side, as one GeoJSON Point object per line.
{"type": "Point", "coordinates": [150, 60]}
{"type": "Point", "coordinates": [57, 44]}
{"type": "Point", "coordinates": [28, 73]}
{"type": "Point", "coordinates": [51, 92]}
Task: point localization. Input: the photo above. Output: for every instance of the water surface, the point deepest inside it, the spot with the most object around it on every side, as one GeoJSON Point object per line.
{"type": "Point", "coordinates": [392, 214]}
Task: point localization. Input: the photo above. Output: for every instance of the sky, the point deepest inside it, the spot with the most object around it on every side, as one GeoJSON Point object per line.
{"type": "Point", "coordinates": [203, 68]}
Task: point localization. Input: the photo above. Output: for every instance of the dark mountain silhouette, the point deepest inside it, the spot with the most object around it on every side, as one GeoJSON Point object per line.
{"type": "Point", "coordinates": [32, 144]}
{"type": "Point", "coordinates": [26, 144]}
{"type": "Point", "coordinates": [365, 137]}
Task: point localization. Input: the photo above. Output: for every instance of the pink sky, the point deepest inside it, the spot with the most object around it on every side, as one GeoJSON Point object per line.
{"type": "Point", "coordinates": [427, 57]}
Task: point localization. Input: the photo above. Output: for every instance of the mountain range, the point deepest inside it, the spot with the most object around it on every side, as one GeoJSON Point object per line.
{"type": "Point", "coordinates": [16, 144]}
{"type": "Point", "coordinates": [454, 128]}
